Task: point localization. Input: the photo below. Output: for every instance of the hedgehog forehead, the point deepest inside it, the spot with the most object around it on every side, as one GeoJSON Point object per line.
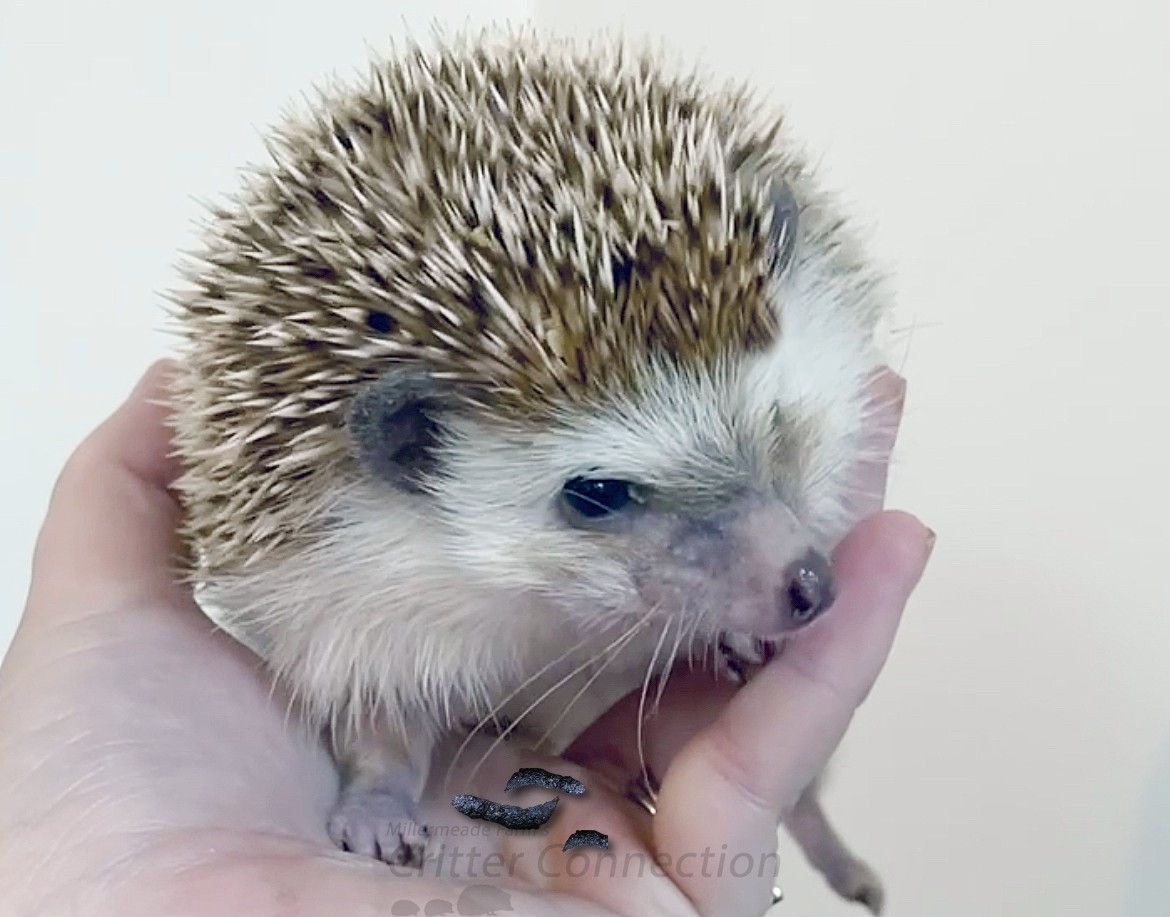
{"type": "Point", "coordinates": [533, 225]}
{"type": "Point", "coordinates": [697, 437]}
{"type": "Point", "coordinates": [588, 306]}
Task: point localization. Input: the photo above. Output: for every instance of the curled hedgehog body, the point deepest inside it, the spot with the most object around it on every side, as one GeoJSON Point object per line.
{"type": "Point", "coordinates": [519, 371]}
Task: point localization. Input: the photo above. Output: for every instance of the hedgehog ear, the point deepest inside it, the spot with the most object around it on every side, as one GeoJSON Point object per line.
{"type": "Point", "coordinates": [394, 427]}
{"type": "Point", "coordinates": [784, 229]}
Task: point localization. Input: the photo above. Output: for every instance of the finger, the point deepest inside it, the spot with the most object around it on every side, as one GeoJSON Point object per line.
{"type": "Point", "coordinates": [728, 788]}
{"type": "Point", "coordinates": [110, 534]}
{"type": "Point", "coordinates": [694, 698]}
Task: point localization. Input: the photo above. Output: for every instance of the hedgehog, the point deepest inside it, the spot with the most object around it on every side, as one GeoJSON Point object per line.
{"type": "Point", "coordinates": [521, 370]}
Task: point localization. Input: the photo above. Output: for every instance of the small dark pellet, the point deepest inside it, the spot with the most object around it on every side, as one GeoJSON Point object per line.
{"type": "Point", "coordinates": [586, 838]}
{"type": "Point", "coordinates": [514, 818]}
{"type": "Point", "coordinates": [538, 776]}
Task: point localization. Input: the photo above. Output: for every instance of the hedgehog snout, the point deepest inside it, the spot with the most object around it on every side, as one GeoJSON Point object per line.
{"type": "Point", "coordinates": [810, 589]}
{"type": "Point", "coordinates": [753, 567]}
{"type": "Point", "coordinates": [778, 580]}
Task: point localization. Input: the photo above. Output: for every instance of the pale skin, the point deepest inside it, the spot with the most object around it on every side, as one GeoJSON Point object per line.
{"type": "Point", "coordinates": [148, 767]}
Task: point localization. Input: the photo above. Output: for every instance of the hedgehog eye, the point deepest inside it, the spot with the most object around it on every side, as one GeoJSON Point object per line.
{"type": "Point", "coordinates": [592, 498]}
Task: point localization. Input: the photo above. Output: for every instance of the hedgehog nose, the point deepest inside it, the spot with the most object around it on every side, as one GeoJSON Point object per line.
{"type": "Point", "coordinates": [809, 589]}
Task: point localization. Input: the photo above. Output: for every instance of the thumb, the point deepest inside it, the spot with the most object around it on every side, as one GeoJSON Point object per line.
{"type": "Point", "coordinates": [730, 786]}
{"type": "Point", "coordinates": [110, 535]}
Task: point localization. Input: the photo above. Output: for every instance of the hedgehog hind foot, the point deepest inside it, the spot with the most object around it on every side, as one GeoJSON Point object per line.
{"type": "Point", "coordinates": [846, 874]}
{"type": "Point", "coordinates": [855, 881]}
{"type": "Point", "coordinates": [378, 822]}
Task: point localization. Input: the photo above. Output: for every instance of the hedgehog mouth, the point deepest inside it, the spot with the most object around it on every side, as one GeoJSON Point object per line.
{"type": "Point", "coordinates": [743, 654]}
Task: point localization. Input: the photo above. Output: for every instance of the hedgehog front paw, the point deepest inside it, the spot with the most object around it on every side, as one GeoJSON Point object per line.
{"type": "Point", "coordinates": [379, 823]}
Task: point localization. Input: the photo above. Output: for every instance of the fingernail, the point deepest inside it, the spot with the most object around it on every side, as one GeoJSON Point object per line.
{"type": "Point", "coordinates": [931, 538]}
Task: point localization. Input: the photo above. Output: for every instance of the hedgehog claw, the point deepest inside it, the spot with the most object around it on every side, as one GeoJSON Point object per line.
{"type": "Point", "coordinates": [378, 823]}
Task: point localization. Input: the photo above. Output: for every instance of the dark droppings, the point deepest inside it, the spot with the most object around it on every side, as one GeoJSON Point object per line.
{"type": "Point", "coordinates": [515, 818]}
{"type": "Point", "coordinates": [587, 838]}
{"type": "Point", "coordinates": [538, 776]}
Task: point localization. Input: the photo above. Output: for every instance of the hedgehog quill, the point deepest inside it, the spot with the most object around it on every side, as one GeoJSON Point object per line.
{"type": "Point", "coordinates": [518, 372]}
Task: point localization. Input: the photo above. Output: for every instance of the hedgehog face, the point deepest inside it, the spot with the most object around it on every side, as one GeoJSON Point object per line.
{"type": "Point", "coordinates": [709, 494]}
{"type": "Point", "coordinates": [514, 281]}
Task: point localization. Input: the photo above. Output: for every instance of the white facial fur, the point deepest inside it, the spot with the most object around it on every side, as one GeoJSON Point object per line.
{"type": "Point", "coordinates": [684, 433]}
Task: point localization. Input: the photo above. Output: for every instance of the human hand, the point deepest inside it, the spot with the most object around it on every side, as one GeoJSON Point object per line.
{"type": "Point", "coordinates": [149, 767]}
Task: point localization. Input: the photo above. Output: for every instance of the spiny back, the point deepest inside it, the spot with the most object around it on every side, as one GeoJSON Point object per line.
{"type": "Point", "coordinates": [532, 221]}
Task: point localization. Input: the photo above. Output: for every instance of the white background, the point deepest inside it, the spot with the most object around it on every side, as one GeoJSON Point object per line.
{"type": "Point", "coordinates": [1013, 160]}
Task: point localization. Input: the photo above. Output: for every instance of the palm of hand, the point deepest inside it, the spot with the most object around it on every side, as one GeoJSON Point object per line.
{"type": "Point", "coordinates": [151, 768]}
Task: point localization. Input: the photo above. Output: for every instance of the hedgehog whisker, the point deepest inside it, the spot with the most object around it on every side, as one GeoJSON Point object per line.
{"type": "Point", "coordinates": [495, 709]}
{"type": "Point", "coordinates": [614, 647]}
{"type": "Point", "coordinates": [639, 738]}
{"type": "Point", "coordinates": [670, 660]}
{"type": "Point", "coordinates": [593, 678]}
{"type": "Point", "coordinates": [688, 634]}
